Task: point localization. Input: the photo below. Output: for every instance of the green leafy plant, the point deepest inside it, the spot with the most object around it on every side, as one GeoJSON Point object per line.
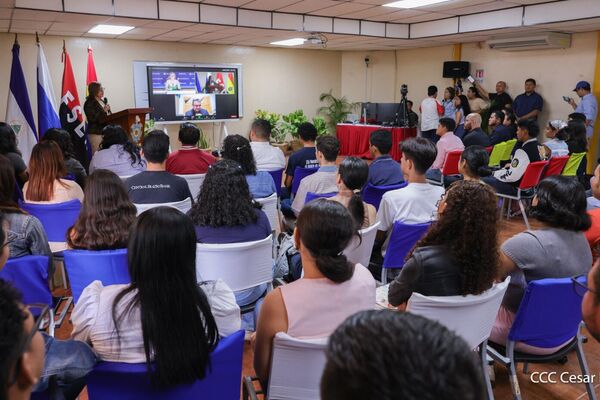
{"type": "Point", "coordinates": [148, 125]}
{"type": "Point", "coordinates": [291, 122]}
{"type": "Point", "coordinates": [335, 110]}
{"type": "Point", "coordinates": [321, 125]}
{"type": "Point", "coordinates": [203, 142]}
{"type": "Point", "coordinates": [275, 120]}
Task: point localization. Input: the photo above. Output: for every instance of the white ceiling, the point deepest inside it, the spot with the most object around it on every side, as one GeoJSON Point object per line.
{"type": "Point", "coordinates": [181, 23]}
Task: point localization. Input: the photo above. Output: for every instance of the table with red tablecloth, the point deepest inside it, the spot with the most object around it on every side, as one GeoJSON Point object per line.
{"type": "Point", "coordinates": [354, 139]}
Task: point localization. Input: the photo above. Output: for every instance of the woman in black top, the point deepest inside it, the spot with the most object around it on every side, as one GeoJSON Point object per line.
{"type": "Point", "coordinates": [459, 253]}
{"type": "Point", "coordinates": [96, 112]}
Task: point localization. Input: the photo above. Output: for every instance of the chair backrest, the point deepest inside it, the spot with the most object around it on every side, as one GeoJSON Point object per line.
{"type": "Point", "coordinates": [86, 266]}
{"type": "Point", "coordinates": [277, 176]}
{"type": "Point", "coordinates": [110, 380]}
{"type": "Point", "coordinates": [497, 153]}
{"type": "Point", "coordinates": [573, 164]}
{"type": "Point", "coordinates": [372, 194]}
{"type": "Point", "coordinates": [296, 368]}
{"type": "Point", "coordinates": [184, 206]}
{"type": "Point", "coordinates": [451, 163]}
{"type": "Point", "coordinates": [555, 166]}
{"type": "Point", "coordinates": [549, 313]}
{"type": "Point", "coordinates": [510, 145]}
{"type": "Point", "coordinates": [299, 174]}
{"type": "Point", "coordinates": [402, 239]}
{"type": "Point", "coordinates": [194, 182]}
{"type": "Point", "coordinates": [29, 274]}
{"type": "Point", "coordinates": [532, 175]}
{"type": "Point", "coordinates": [55, 218]}
{"type": "Point", "coordinates": [471, 317]}
{"type": "Point", "coordinates": [489, 149]}
{"type": "Point", "coordinates": [239, 265]}
{"type": "Point", "coordinates": [359, 251]}
{"type": "Point", "coordinates": [270, 208]}
{"type": "Point", "coordinates": [125, 177]}
{"type": "Point", "coordinates": [311, 196]}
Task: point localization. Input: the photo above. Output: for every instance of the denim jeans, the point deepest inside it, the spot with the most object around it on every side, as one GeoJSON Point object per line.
{"type": "Point", "coordinates": [69, 361]}
{"type": "Point", "coordinates": [434, 174]}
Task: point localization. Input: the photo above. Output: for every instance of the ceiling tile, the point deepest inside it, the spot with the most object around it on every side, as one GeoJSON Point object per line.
{"type": "Point", "coordinates": [207, 37]}
{"type": "Point", "coordinates": [268, 5]}
{"type": "Point", "coordinates": [147, 32]}
{"type": "Point", "coordinates": [81, 18]}
{"type": "Point", "coordinates": [69, 27]}
{"type": "Point", "coordinates": [61, 33]}
{"type": "Point", "coordinates": [308, 6]}
{"type": "Point", "coordinates": [341, 9]}
{"type": "Point", "coordinates": [367, 13]}
{"type": "Point", "coordinates": [230, 3]}
{"type": "Point", "coordinates": [167, 25]}
{"type": "Point", "coordinates": [129, 21]}
{"type": "Point", "coordinates": [427, 16]}
{"type": "Point", "coordinates": [39, 26]}
{"type": "Point", "coordinates": [35, 15]}
{"type": "Point", "coordinates": [495, 5]}
{"type": "Point", "coordinates": [203, 28]}
{"type": "Point", "coordinates": [7, 3]}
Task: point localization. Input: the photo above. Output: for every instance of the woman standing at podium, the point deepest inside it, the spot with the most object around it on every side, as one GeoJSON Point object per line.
{"type": "Point", "coordinates": [96, 110]}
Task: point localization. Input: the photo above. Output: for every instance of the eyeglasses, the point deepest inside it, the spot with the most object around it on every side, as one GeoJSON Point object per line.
{"type": "Point", "coordinates": [579, 285]}
{"type": "Point", "coordinates": [41, 313]}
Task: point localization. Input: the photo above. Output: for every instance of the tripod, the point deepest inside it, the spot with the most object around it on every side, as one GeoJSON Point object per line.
{"type": "Point", "coordinates": [402, 107]}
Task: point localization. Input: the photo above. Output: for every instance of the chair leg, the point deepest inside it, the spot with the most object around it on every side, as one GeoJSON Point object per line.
{"type": "Point", "coordinates": [589, 386]}
{"type": "Point", "coordinates": [512, 371]}
{"type": "Point", "coordinates": [522, 207]}
{"type": "Point", "coordinates": [525, 367]}
{"type": "Point", "coordinates": [484, 367]}
{"type": "Point", "coordinates": [64, 274]}
{"type": "Point", "coordinates": [508, 208]}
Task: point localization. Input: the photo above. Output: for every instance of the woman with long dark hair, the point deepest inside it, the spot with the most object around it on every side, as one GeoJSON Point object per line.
{"type": "Point", "coordinates": [226, 213]}
{"type": "Point", "coordinates": [461, 103]}
{"type": "Point", "coordinates": [557, 249]}
{"type": "Point", "coordinates": [304, 308]}
{"type": "Point", "coordinates": [162, 318]}
{"type": "Point", "coordinates": [353, 174]}
{"type": "Point", "coordinates": [556, 145]}
{"type": "Point", "coordinates": [46, 176]}
{"type": "Point", "coordinates": [106, 214]}
{"type": "Point", "coordinates": [473, 164]}
{"type": "Point", "coordinates": [510, 121]}
{"type": "Point", "coordinates": [9, 149]}
{"type": "Point", "coordinates": [459, 253]}
{"type": "Point", "coordinates": [117, 154]}
{"type": "Point", "coordinates": [26, 235]}
{"type": "Point", "coordinates": [63, 140]}
{"type": "Point", "coordinates": [260, 183]}
{"type": "Point", "coordinates": [96, 111]}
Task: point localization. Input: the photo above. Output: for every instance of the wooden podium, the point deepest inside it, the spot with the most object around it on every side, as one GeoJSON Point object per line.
{"type": "Point", "coordinates": [127, 118]}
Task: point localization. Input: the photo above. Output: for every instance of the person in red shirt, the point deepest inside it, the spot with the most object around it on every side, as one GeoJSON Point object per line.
{"type": "Point", "coordinates": [189, 159]}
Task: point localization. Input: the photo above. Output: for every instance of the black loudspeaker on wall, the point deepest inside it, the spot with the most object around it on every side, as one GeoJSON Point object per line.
{"type": "Point", "coordinates": [456, 69]}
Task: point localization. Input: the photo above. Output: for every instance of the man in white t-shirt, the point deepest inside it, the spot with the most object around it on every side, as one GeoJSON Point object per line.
{"type": "Point", "coordinates": [417, 202]}
{"type": "Point", "coordinates": [431, 111]}
{"type": "Point", "coordinates": [267, 157]}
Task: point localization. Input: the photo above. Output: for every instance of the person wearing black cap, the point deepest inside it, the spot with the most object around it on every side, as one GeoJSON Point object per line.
{"type": "Point", "coordinates": [587, 106]}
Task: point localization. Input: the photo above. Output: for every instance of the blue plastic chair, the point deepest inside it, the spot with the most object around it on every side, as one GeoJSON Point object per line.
{"type": "Point", "coordinates": [55, 218]}
{"type": "Point", "coordinates": [548, 316]}
{"type": "Point", "coordinates": [111, 380]}
{"type": "Point", "coordinates": [373, 194]}
{"type": "Point", "coordinates": [311, 196]}
{"type": "Point", "coordinates": [86, 266]}
{"type": "Point", "coordinates": [299, 174]}
{"type": "Point", "coordinates": [402, 240]}
{"type": "Point", "coordinates": [277, 176]}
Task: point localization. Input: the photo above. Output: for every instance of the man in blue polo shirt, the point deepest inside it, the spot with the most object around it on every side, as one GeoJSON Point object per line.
{"type": "Point", "coordinates": [383, 171]}
{"type": "Point", "coordinates": [528, 105]}
{"type": "Point", "coordinates": [588, 105]}
{"type": "Point", "coordinates": [306, 157]}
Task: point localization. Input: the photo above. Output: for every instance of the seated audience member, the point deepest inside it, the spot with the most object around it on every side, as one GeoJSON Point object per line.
{"type": "Point", "coordinates": [417, 202]}
{"type": "Point", "coordinates": [351, 178]}
{"type": "Point", "coordinates": [507, 179]}
{"type": "Point", "coordinates": [306, 157]}
{"type": "Point", "coordinates": [324, 180]}
{"type": "Point", "coordinates": [155, 185]}
{"type": "Point", "coordinates": [413, 117]}
{"type": "Point", "coordinates": [260, 183]}
{"type": "Point", "coordinates": [500, 132]}
{"type": "Point", "coordinates": [556, 133]}
{"type": "Point", "coordinates": [447, 143]}
{"type": "Point", "coordinates": [9, 149]}
{"type": "Point", "coordinates": [171, 327]}
{"type": "Point", "coordinates": [510, 121]}
{"type": "Point", "coordinates": [226, 213]}
{"type": "Point", "coordinates": [384, 170]}
{"type": "Point", "coordinates": [106, 214]}
{"type": "Point", "coordinates": [591, 301]}
{"type": "Point", "coordinates": [46, 176]}
{"type": "Point", "coordinates": [117, 154]}
{"type": "Point", "coordinates": [576, 116]}
{"type": "Point", "coordinates": [462, 110]}
{"type": "Point", "coordinates": [267, 157]}
{"type": "Point", "coordinates": [189, 159]}
{"type": "Point", "coordinates": [473, 164]}
{"type": "Point", "coordinates": [26, 235]}
{"type": "Point", "coordinates": [63, 140]}
{"type": "Point", "coordinates": [440, 264]}
{"type": "Point", "coordinates": [558, 249]}
{"type": "Point", "coordinates": [474, 135]}
{"type": "Point", "coordinates": [323, 230]}
{"type": "Point", "coordinates": [577, 142]}
{"type": "Point", "coordinates": [593, 209]}
{"type": "Point", "coordinates": [476, 103]}
{"type": "Point", "coordinates": [593, 201]}
{"type": "Point", "coordinates": [528, 105]}
{"type": "Point", "coordinates": [376, 355]}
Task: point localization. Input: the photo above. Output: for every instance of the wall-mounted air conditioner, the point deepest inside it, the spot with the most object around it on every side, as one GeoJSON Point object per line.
{"type": "Point", "coordinates": [551, 40]}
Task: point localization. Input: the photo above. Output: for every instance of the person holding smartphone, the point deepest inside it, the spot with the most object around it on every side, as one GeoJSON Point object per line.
{"type": "Point", "coordinates": [500, 100]}
{"type": "Point", "coordinates": [588, 105]}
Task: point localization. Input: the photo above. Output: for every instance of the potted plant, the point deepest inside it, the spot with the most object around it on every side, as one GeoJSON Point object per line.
{"type": "Point", "coordinates": [336, 109]}
{"type": "Point", "coordinates": [320, 125]}
{"type": "Point", "coordinates": [290, 123]}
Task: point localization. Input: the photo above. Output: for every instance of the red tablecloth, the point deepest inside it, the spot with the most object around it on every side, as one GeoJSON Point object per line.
{"type": "Point", "coordinates": [354, 139]}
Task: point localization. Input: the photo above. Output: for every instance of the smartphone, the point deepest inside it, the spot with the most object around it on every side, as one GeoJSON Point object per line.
{"type": "Point", "coordinates": [566, 98]}
{"type": "Point", "coordinates": [470, 79]}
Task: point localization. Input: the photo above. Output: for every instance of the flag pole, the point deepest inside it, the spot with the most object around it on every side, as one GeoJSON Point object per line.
{"type": "Point", "coordinates": [16, 40]}
{"type": "Point", "coordinates": [37, 38]}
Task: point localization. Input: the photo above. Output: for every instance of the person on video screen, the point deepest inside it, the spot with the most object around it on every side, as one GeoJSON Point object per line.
{"type": "Point", "coordinates": [172, 83]}
{"type": "Point", "coordinates": [196, 109]}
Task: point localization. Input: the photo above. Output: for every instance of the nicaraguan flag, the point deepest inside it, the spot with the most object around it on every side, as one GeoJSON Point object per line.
{"type": "Point", "coordinates": [47, 111]}
{"type": "Point", "coordinates": [18, 111]}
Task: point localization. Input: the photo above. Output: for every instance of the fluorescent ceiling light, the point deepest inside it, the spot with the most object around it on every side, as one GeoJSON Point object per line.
{"type": "Point", "coordinates": [413, 3]}
{"type": "Point", "coordinates": [290, 42]}
{"type": "Point", "coordinates": [110, 29]}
